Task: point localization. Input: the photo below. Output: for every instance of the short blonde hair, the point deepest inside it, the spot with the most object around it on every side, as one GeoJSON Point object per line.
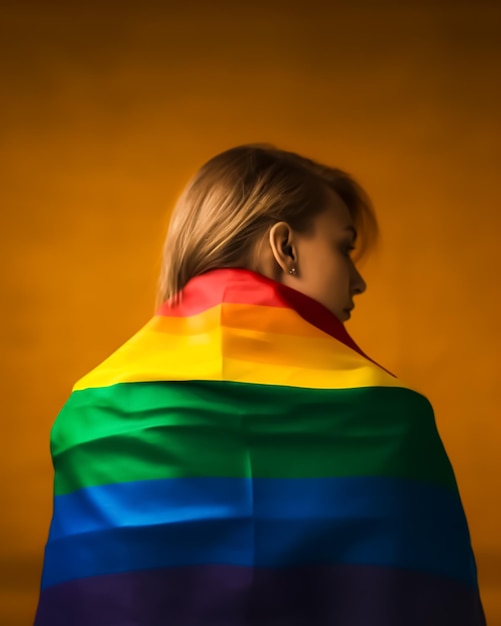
{"type": "Point", "coordinates": [236, 196]}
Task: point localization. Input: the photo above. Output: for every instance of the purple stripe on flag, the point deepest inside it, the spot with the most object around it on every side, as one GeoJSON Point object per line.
{"type": "Point", "coordinates": [220, 595]}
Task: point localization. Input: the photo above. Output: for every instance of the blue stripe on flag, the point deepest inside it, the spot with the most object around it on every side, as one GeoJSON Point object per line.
{"type": "Point", "coordinates": [262, 522]}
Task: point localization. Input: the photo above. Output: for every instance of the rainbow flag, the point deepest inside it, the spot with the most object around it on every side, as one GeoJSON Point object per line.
{"type": "Point", "coordinates": [240, 462]}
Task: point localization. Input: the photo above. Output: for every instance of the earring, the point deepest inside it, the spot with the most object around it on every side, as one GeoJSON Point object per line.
{"type": "Point", "coordinates": [292, 270]}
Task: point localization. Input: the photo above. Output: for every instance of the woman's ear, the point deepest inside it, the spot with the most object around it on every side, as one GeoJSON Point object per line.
{"type": "Point", "coordinates": [281, 239]}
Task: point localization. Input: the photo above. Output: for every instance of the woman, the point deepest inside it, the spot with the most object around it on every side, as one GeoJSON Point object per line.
{"type": "Point", "coordinates": [240, 460]}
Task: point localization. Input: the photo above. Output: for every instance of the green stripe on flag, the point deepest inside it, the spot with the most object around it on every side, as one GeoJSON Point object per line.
{"type": "Point", "coordinates": [143, 431]}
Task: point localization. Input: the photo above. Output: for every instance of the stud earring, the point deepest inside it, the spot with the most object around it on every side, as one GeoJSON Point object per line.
{"type": "Point", "coordinates": [292, 270]}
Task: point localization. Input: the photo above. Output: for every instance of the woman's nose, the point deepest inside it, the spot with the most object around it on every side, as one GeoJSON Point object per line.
{"type": "Point", "coordinates": [358, 284]}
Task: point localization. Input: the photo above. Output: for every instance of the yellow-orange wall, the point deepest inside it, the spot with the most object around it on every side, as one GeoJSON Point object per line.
{"type": "Point", "coordinates": [107, 109]}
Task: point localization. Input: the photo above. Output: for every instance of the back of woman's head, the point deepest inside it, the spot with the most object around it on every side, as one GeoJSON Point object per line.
{"type": "Point", "coordinates": [237, 196]}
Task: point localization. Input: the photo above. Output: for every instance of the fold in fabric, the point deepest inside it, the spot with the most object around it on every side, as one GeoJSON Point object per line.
{"type": "Point", "coordinates": [240, 461]}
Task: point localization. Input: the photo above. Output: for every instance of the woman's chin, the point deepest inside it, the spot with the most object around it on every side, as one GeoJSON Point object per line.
{"type": "Point", "coordinates": [346, 314]}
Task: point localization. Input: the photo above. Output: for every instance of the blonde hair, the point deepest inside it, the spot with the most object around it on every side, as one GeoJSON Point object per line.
{"type": "Point", "coordinates": [236, 196]}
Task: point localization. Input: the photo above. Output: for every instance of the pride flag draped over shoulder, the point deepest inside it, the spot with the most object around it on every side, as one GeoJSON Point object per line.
{"type": "Point", "coordinates": [240, 462]}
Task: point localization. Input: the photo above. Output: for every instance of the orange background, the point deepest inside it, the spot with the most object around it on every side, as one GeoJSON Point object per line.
{"type": "Point", "coordinates": [107, 110]}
